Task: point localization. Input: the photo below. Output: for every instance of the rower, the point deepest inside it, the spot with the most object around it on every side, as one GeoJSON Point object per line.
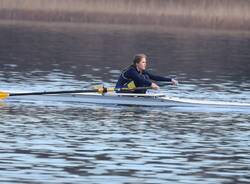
{"type": "Point", "coordinates": [136, 75]}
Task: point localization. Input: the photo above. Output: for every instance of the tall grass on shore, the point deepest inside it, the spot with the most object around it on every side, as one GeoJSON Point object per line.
{"type": "Point", "coordinates": [222, 14]}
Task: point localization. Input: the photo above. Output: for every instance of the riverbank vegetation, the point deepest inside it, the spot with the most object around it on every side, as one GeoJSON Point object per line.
{"type": "Point", "coordinates": [213, 14]}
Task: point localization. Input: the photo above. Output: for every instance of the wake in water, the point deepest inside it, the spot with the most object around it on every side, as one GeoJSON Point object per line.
{"type": "Point", "coordinates": [210, 106]}
{"type": "Point", "coordinates": [208, 102]}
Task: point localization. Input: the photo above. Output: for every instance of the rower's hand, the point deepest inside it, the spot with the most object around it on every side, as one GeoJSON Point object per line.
{"type": "Point", "coordinates": [174, 82]}
{"type": "Point", "coordinates": [154, 86]}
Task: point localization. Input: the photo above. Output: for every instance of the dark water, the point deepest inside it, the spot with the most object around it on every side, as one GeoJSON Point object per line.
{"type": "Point", "coordinates": [74, 143]}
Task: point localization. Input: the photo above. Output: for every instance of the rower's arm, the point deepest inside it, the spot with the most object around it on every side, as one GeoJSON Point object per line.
{"type": "Point", "coordinates": [159, 78]}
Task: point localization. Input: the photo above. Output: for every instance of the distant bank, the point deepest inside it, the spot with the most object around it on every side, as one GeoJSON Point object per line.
{"type": "Point", "coordinates": [212, 14]}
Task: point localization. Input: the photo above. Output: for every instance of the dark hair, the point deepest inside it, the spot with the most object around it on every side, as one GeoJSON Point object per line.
{"type": "Point", "coordinates": [138, 58]}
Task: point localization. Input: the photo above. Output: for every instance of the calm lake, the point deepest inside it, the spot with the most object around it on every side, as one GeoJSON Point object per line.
{"type": "Point", "coordinates": [76, 143]}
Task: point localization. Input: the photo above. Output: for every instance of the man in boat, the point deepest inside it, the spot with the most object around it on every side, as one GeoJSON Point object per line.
{"type": "Point", "coordinates": [136, 75]}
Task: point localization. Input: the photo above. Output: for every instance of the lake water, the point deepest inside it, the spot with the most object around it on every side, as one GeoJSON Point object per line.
{"type": "Point", "coordinates": [76, 143]}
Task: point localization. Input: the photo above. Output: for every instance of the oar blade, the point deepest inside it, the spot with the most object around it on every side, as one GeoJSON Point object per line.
{"type": "Point", "coordinates": [4, 95]}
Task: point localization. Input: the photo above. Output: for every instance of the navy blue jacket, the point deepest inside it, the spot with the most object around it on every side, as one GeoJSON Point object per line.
{"type": "Point", "coordinates": [140, 79]}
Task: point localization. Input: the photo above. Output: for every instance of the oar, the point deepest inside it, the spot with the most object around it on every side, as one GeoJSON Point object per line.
{"type": "Point", "coordinates": [101, 90]}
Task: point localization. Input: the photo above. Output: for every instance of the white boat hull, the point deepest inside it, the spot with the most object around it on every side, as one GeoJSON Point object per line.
{"type": "Point", "coordinates": [128, 99]}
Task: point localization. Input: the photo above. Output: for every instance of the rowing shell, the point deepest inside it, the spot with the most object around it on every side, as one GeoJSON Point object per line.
{"type": "Point", "coordinates": [159, 100]}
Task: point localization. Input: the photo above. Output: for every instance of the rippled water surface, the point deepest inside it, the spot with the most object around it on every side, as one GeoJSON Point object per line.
{"type": "Point", "coordinates": [43, 142]}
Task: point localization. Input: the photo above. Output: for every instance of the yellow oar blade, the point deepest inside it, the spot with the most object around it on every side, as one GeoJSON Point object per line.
{"type": "Point", "coordinates": [4, 95]}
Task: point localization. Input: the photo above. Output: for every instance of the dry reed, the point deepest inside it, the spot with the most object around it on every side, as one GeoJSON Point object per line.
{"type": "Point", "coordinates": [226, 14]}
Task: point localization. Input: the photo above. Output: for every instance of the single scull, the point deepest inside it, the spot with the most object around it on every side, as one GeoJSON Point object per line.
{"type": "Point", "coordinates": [159, 100]}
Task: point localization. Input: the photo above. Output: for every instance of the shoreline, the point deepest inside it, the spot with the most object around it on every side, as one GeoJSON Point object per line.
{"type": "Point", "coordinates": [200, 14]}
{"type": "Point", "coordinates": [74, 26]}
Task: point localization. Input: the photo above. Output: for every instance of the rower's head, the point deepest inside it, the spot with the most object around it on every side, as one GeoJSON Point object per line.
{"type": "Point", "coordinates": [140, 61]}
